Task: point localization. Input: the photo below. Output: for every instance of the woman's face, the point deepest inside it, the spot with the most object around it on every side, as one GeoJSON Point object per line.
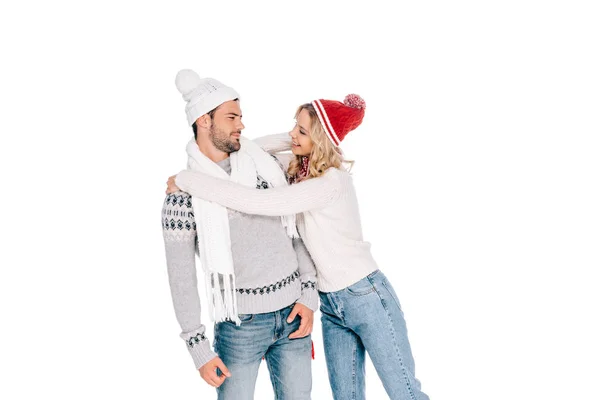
{"type": "Point", "coordinates": [301, 142]}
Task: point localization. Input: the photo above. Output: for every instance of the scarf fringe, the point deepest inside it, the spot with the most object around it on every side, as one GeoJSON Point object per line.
{"type": "Point", "coordinates": [289, 221]}
{"type": "Point", "coordinates": [214, 245]}
{"type": "Point", "coordinates": [222, 301]}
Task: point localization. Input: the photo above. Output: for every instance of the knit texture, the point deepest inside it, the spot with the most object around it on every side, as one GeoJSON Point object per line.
{"type": "Point", "coordinates": [201, 95]}
{"type": "Point", "coordinates": [338, 118]}
{"type": "Point", "coordinates": [272, 271]}
{"type": "Point", "coordinates": [329, 224]}
{"type": "Point", "coordinates": [214, 241]}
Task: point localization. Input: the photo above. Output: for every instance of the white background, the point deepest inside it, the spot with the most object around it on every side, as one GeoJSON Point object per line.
{"type": "Point", "coordinates": [477, 174]}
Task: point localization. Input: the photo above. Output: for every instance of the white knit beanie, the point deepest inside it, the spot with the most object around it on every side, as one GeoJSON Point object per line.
{"type": "Point", "coordinates": [201, 95]}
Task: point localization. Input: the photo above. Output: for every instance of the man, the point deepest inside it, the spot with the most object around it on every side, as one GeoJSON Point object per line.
{"type": "Point", "coordinates": [260, 279]}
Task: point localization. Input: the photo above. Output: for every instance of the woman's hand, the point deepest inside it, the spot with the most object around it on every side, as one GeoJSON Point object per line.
{"type": "Point", "coordinates": [171, 186]}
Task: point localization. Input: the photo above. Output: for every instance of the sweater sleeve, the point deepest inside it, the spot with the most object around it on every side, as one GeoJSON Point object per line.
{"type": "Point", "coordinates": [311, 194]}
{"type": "Point", "coordinates": [275, 143]}
{"type": "Point", "coordinates": [179, 232]}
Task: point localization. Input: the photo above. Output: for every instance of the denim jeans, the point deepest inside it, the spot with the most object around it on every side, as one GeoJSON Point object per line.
{"type": "Point", "coordinates": [367, 316]}
{"type": "Point", "coordinates": [264, 335]}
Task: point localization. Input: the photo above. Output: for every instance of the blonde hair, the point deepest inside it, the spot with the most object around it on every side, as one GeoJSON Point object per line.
{"type": "Point", "coordinates": [324, 154]}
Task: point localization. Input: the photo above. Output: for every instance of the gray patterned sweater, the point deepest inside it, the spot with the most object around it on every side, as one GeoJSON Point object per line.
{"type": "Point", "coordinates": [272, 271]}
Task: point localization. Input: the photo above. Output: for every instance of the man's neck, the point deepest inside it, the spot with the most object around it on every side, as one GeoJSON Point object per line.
{"type": "Point", "coordinates": [210, 151]}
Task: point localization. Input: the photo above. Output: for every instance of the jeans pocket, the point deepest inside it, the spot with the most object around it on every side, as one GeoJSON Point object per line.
{"type": "Point", "coordinates": [245, 318]}
{"type": "Point", "coordinates": [361, 288]}
{"type": "Point", "coordinates": [390, 290]}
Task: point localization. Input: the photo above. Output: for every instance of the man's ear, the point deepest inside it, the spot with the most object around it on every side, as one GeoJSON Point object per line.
{"type": "Point", "coordinates": [204, 121]}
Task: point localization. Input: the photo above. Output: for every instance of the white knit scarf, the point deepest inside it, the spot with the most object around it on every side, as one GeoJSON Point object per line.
{"type": "Point", "coordinates": [212, 222]}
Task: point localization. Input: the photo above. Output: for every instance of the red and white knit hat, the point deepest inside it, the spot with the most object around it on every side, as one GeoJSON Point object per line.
{"type": "Point", "coordinates": [340, 118]}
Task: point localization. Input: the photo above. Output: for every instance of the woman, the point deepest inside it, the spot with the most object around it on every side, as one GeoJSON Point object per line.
{"type": "Point", "coordinates": [359, 308]}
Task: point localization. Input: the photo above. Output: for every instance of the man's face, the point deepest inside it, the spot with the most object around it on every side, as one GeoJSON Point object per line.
{"type": "Point", "coordinates": [226, 127]}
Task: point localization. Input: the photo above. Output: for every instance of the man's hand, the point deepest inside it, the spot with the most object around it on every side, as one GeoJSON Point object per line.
{"type": "Point", "coordinates": [208, 372]}
{"type": "Point", "coordinates": [306, 321]}
{"type": "Point", "coordinates": [171, 186]}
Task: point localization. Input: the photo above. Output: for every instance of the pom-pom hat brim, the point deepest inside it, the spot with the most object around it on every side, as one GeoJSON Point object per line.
{"type": "Point", "coordinates": [337, 118]}
{"type": "Point", "coordinates": [204, 104]}
{"type": "Point", "coordinates": [202, 95]}
{"type": "Point", "coordinates": [325, 122]}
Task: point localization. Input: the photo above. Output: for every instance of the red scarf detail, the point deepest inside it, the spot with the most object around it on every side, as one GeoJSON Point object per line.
{"type": "Point", "coordinates": [302, 172]}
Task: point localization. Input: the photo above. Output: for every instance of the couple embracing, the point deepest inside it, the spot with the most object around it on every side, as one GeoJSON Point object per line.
{"type": "Point", "coordinates": [276, 234]}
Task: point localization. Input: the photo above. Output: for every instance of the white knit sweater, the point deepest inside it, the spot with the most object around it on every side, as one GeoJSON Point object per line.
{"type": "Point", "coordinates": [329, 222]}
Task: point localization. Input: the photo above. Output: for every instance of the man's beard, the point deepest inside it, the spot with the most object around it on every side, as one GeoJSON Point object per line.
{"type": "Point", "coordinates": [222, 140]}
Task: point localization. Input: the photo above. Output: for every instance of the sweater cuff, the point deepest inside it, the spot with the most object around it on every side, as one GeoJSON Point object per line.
{"type": "Point", "coordinates": [180, 180]}
{"type": "Point", "coordinates": [200, 350]}
{"type": "Point", "coordinates": [309, 296]}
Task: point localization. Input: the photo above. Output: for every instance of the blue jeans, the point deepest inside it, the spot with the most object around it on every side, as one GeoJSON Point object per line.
{"type": "Point", "coordinates": [367, 316]}
{"type": "Point", "coordinates": [264, 335]}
